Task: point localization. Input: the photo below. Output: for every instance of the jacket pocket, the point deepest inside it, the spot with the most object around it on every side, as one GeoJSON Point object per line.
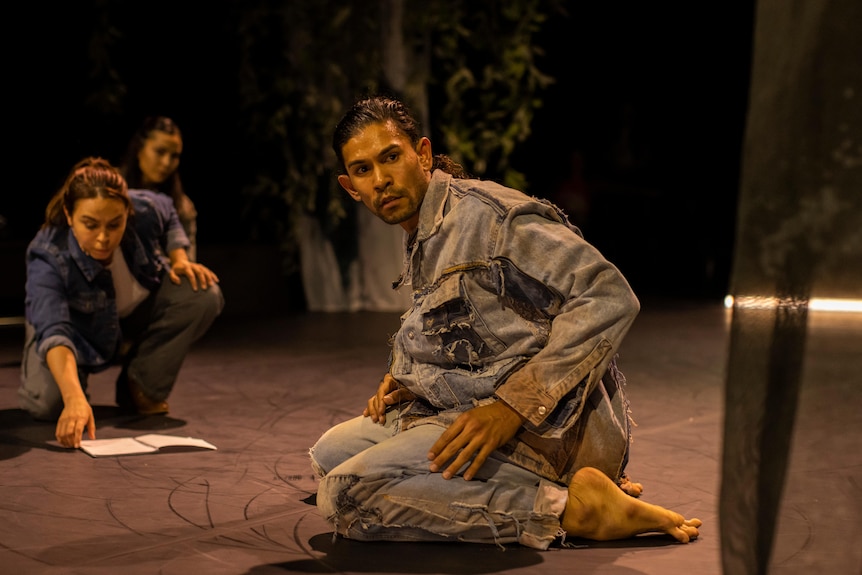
{"type": "Point", "coordinates": [454, 327]}
{"type": "Point", "coordinates": [87, 303]}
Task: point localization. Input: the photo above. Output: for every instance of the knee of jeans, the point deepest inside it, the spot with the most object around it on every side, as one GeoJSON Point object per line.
{"type": "Point", "coordinates": [324, 459]}
{"type": "Point", "coordinates": [216, 299]}
{"type": "Point", "coordinates": [209, 302]}
{"type": "Point", "coordinates": [40, 409]}
{"type": "Point", "coordinates": [318, 470]}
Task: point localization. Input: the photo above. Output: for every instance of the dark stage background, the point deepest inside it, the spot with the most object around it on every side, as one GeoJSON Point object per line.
{"type": "Point", "coordinates": [651, 101]}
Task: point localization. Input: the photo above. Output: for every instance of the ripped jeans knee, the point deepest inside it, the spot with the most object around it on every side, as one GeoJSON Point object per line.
{"type": "Point", "coordinates": [376, 485]}
{"type": "Point", "coordinates": [426, 507]}
{"type": "Point", "coordinates": [388, 511]}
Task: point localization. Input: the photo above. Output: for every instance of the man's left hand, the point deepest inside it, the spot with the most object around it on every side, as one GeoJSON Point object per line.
{"type": "Point", "coordinates": [475, 434]}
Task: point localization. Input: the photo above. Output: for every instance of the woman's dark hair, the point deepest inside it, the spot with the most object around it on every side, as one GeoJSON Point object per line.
{"type": "Point", "coordinates": [90, 178]}
{"type": "Point", "coordinates": [379, 110]}
{"type": "Point", "coordinates": [131, 170]}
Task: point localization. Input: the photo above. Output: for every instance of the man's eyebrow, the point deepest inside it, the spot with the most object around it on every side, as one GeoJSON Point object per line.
{"type": "Point", "coordinates": [388, 149]}
{"type": "Point", "coordinates": [355, 162]}
{"type": "Point", "coordinates": [381, 153]}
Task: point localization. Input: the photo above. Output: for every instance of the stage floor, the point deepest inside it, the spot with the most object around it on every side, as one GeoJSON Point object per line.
{"type": "Point", "coordinates": [262, 390]}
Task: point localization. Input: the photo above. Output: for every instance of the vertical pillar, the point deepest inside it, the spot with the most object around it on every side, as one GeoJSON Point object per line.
{"type": "Point", "coordinates": [799, 235]}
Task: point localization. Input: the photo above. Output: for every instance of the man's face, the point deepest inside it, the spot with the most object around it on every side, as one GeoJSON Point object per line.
{"type": "Point", "coordinates": [387, 173]}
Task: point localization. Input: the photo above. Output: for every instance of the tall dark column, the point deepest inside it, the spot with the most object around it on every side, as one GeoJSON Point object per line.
{"type": "Point", "coordinates": [799, 236]}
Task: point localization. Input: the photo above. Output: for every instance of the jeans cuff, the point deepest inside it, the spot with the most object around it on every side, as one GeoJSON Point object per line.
{"type": "Point", "coordinates": [544, 523]}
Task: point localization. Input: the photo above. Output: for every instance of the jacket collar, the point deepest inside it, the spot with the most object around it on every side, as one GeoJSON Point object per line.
{"type": "Point", "coordinates": [88, 266]}
{"type": "Point", "coordinates": [433, 205]}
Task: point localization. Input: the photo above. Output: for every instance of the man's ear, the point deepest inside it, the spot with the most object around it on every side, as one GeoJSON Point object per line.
{"type": "Point", "coordinates": [68, 217]}
{"type": "Point", "coordinates": [344, 180]}
{"type": "Point", "coordinates": [426, 157]}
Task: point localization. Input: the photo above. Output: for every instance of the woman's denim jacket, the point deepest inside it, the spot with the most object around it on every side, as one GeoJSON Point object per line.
{"type": "Point", "coordinates": [70, 296]}
{"type": "Point", "coordinates": [510, 303]}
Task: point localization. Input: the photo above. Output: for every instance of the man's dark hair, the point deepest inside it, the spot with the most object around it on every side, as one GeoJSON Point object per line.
{"type": "Point", "coordinates": [379, 110]}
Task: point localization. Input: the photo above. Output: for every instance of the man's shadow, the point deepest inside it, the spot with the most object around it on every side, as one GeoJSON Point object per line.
{"type": "Point", "coordinates": [344, 555]}
{"type": "Point", "coordinates": [19, 433]}
{"type": "Point", "coordinates": [341, 555]}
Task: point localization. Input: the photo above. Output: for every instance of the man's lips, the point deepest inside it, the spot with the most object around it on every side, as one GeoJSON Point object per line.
{"type": "Point", "coordinates": [388, 201]}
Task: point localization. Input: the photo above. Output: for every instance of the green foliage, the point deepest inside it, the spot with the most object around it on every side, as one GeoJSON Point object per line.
{"type": "Point", "coordinates": [485, 57]}
{"type": "Point", "coordinates": [299, 63]}
{"type": "Point", "coordinates": [302, 62]}
{"type": "Point", "coordinates": [109, 89]}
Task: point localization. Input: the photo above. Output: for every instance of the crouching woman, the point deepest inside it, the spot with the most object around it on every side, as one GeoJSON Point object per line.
{"type": "Point", "coordinates": [109, 282]}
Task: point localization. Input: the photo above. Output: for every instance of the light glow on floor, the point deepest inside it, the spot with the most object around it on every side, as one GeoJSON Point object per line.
{"type": "Point", "coordinates": [814, 304]}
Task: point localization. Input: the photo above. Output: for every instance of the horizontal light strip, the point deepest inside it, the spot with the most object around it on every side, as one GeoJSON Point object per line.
{"type": "Point", "coordinates": [815, 304]}
{"type": "Point", "coordinates": [12, 320]}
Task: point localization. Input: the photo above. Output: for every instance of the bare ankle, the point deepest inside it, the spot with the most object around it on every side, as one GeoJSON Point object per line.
{"type": "Point", "coordinates": [584, 509]}
{"type": "Point", "coordinates": [598, 509]}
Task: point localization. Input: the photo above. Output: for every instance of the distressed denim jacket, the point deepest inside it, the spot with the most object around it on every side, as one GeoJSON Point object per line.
{"type": "Point", "coordinates": [69, 297]}
{"type": "Point", "coordinates": [511, 303]}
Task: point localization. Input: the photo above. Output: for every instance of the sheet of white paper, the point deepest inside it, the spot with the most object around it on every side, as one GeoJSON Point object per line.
{"type": "Point", "coordinates": [149, 443]}
{"type": "Point", "coordinates": [158, 440]}
{"type": "Point", "coordinates": [119, 446]}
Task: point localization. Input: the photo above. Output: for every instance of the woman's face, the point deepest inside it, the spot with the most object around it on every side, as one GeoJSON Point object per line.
{"type": "Point", "coordinates": [159, 157]}
{"type": "Point", "coordinates": [98, 225]}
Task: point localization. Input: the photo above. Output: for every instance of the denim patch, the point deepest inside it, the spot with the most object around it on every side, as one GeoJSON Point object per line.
{"type": "Point", "coordinates": [530, 298]}
{"type": "Point", "coordinates": [453, 326]}
{"type": "Point", "coordinates": [451, 322]}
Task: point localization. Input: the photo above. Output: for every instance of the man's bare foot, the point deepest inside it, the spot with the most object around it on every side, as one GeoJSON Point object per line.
{"type": "Point", "coordinates": [597, 509]}
{"type": "Point", "coordinates": [630, 487]}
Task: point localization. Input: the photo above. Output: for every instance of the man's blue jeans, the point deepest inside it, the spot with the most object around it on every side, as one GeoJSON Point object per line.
{"type": "Point", "coordinates": [376, 485]}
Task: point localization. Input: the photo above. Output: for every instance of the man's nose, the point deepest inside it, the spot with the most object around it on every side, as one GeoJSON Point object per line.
{"type": "Point", "coordinates": [381, 178]}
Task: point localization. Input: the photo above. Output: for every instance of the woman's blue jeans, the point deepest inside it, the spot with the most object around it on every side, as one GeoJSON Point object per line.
{"type": "Point", "coordinates": [162, 329]}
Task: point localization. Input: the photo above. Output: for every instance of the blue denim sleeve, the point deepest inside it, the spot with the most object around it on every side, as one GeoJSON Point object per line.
{"type": "Point", "coordinates": [46, 305]}
{"type": "Point", "coordinates": [593, 310]}
{"type": "Point", "coordinates": [175, 234]}
{"type": "Point", "coordinates": [156, 220]}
